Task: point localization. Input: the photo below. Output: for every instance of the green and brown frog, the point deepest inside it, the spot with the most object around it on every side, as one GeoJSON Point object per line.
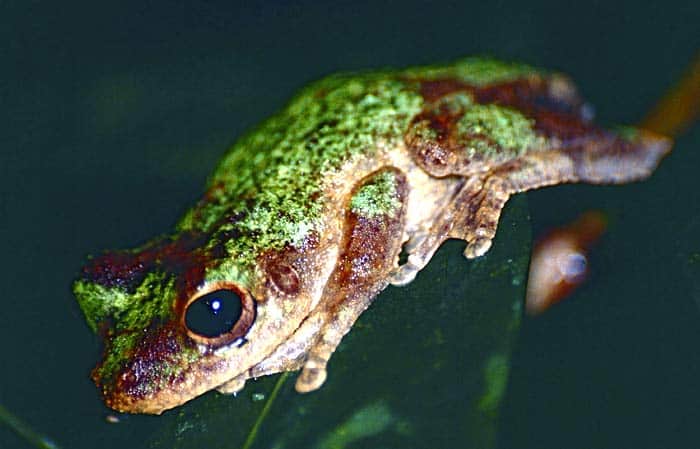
{"type": "Point", "coordinates": [303, 222]}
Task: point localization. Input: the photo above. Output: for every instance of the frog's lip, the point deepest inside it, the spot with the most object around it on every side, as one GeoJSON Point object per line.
{"type": "Point", "coordinates": [129, 396]}
{"type": "Point", "coordinates": [165, 369]}
{"type": "Point", "coordinates": [155, 382]}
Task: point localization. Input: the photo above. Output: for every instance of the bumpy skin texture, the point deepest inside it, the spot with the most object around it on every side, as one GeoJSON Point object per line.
{"type": "Point", "coordinates": [306, 216]}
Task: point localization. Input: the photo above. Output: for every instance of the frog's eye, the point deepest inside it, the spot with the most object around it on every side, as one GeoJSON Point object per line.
{"type": "Point", "coordinates": [220, 317]}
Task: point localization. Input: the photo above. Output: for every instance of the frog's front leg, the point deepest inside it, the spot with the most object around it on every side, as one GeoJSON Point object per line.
{"type": "Point", "coordinates": [233, 386]}
{"type": "Point", "coordinates": [369, 251]}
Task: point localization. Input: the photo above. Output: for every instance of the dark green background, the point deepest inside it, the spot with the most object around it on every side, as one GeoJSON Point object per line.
{"type": "Point", "coordinates": [114, 114]}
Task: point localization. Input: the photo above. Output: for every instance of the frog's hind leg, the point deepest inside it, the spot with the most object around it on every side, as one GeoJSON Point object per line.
{"type": "Point", "coordinates": [474, 213]}
{"type": "Point", "coordinates": [477, 218]}
{"type": "Point", "coordinates": [370, 250]}
{"type": "Point", "coordinates": [340, 321]}
{"type": "Point", "coordinates": [567, 147]}
{"type": "Point", "coordinates": [606, 159]}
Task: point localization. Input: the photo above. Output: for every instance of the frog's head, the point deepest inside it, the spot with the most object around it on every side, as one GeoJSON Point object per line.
{"type": "Point", "coordinates": [183, 315]}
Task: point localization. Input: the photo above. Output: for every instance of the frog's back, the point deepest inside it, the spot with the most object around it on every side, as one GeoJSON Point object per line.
{"type": "Point", "coordinates": [271, 179]}
{"type": "Point", "coordinates": [344, 115]}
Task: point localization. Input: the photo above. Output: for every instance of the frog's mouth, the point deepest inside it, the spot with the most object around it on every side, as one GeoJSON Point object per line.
{"type": "Point", "coordinates": [138, 367]}
{"type": "Point", "coordinates": [168, 364]}
{"type": "Point", "coordinates": [163, 370]}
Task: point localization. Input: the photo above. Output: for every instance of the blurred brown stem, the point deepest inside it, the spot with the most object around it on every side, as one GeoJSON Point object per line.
{"type": "Point", "coordinates": [679, 108]}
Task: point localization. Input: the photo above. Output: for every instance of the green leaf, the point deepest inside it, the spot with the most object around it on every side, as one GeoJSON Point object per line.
{"type": "Point", "coordinates": [425, 366]}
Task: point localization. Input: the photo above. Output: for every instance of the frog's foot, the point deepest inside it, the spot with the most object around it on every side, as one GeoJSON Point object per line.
{"type": "Point", "coordinates": [480, 214]}
{"type": "Point", "coordinates": [479, 220]}
{"type": "Point", "coordinates": [415, 240]}
{"type": "Point", "coordinates": [233, 386]}
{"type": "Point", "coordinates": [419, 254]}
{"type": "Point", "coordinates": [313, 375]}
{"type": "Point", "coordinates": [477, 248]}
{"type": "Point", "coordinates": [339, 322]}
{"type": "Point", "coordinates": [404, 274]}
{"type": "Point", "coordinates": [421, 250]}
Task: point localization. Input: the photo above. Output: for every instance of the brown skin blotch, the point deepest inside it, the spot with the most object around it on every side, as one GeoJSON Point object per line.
{"type": "Point", "coordinates": [284, 278]}
{"type": "Point", "coordinates": [552, 102]}
{"type": "Point", "coordinates": [432, 90]}
{"type": "Point", "coordinates": [368, 241]}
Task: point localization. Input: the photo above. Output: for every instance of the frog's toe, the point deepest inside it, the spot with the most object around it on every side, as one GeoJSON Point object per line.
{"type": "Point", "coordinates": [415, 242]}
{"type": "Point", "coordinates": [310, 379]}
{"type": "Point", "coordinates": [404, 274]}
{"type": "Point", "coordinates": [477, 248]}
{"type": "Point", "coordinates": [233, 386]}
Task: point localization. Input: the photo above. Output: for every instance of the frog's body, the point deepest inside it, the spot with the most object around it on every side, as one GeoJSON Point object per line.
{"type": "Point", "coordinates": [305, 218]}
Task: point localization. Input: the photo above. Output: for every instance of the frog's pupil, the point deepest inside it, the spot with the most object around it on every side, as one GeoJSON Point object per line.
{"type": "Point", "coordinates": [214, 313]}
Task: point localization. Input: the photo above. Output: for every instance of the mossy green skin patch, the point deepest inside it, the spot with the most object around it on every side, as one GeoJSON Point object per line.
{"type": "Point", "coordinates": [628, 133]}
{"type": "Point", "coordinates": [271, 215]}
{"type": "Point", "coordinates": [491, 129]}
{"type": "Point", "coordinates": [128, 310]}
{"type": "Point", "coordinates": [376, 198]}
{"type": "Point", "coordinates": [273, 177]}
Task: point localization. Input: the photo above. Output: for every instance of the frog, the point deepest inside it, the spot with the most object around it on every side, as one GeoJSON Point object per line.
{"type": "Point", "coordinates": [350, 188]}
